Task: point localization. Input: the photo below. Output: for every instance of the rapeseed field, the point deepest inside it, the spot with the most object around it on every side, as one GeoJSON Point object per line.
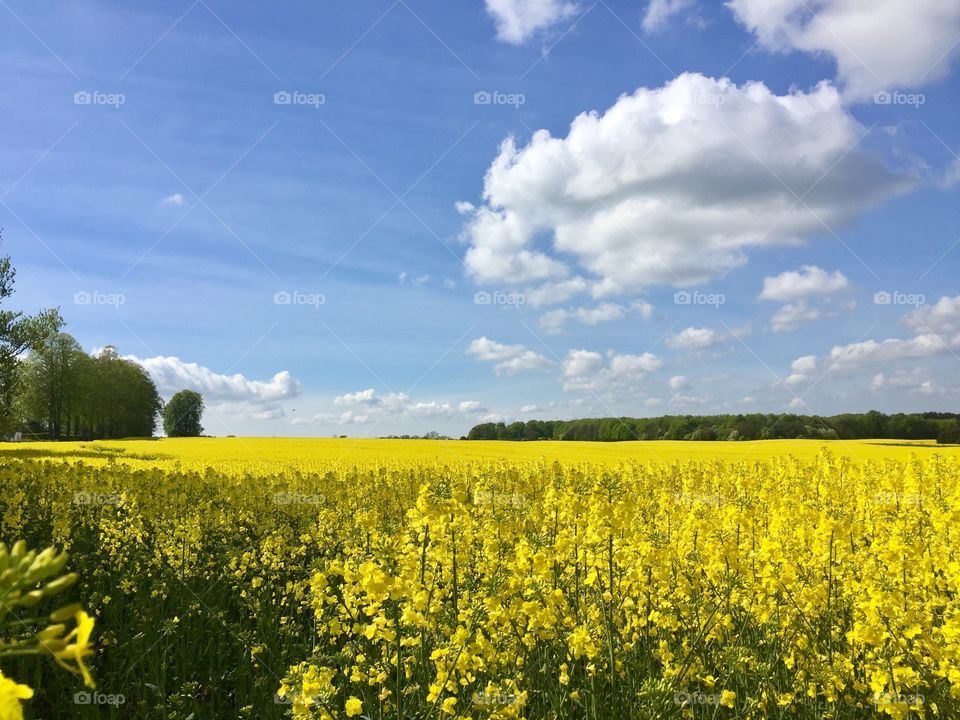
{"type": "Point", "coordinates": [263, 578]}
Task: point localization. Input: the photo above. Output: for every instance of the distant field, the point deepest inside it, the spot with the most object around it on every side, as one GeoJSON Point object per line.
{"type": "Point", "coordinates": [270, 455]}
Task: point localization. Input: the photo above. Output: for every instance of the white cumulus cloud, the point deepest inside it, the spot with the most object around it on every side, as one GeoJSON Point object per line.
{"type": "Point", "coordinates": [175, 200]}
{"type": "Point", "coordinates": [519, 20]}
{"type": "Point", "coordinates": [938, 333]}
{"type": "Point", "coordinates": [172, 374]}
{"type": "Point", "coordinates": [800, 289]}
{"type": "Point", "coordinates": [660, 12]}
{"type": "Point", "coordinates": [367, 406]}
{"type": "Point", "coordinates": [672, 185]}
{"type": "Point", "coordinates": [361, 397]}
{"type": "Point", "coordinates": [229, 396]}
{"type": "Point", "coordinates": [793, 315]}
{"type": "Point", "coordinates": [942, 318]}
{"type": "Point", "coordinates": [507, 359]}
{"type": "Point", "coordinates": [554, 320]}
{"type": "Point", "coordinates": [693, 338]}
{"type": "Point", "coordinates": [591, 371]}
{"type": "Point", "coordinates": [556, 292]}
{"type": "Point", "coordinates": [796, 284]}
{"type": "Point", "coordinates": [877, 44]}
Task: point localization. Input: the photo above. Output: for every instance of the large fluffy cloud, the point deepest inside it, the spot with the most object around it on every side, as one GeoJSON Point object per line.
{"type": "Point", "coordinates": [518, 20]}
{"type": "Point", "coordinates": [673, 186]}
{"type": "Point", "coordinates": [877, 44]}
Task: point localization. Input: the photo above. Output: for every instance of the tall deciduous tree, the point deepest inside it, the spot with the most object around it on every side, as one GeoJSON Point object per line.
{"type": "Point", "coordinates": [49, 385]}
{"type": "Point", "coordinates": [182, 414]}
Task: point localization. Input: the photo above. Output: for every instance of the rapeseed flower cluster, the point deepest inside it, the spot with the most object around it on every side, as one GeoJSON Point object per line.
{"type": "Point", "coordinates": [28, 580]}
{"type": "Point", "coordinates": [783, 589]}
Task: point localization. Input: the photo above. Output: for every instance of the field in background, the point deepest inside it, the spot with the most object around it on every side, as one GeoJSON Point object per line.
{"type": "Point", "coordinates": [260, 456]}
{"type": "Point", "coordinates": [431, 580]}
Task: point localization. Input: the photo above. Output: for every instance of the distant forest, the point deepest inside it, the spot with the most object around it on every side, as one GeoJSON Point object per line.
{"type": "Point", "coordinates": [939, 426]}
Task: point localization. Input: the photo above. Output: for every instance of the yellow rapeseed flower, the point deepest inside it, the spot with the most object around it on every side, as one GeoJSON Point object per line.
{"type": "Point", "coordinates": [11, 693]}
{"type": "Point", "coordinates": [71, 657]}
{"type": "Point", "coordinates": [353, 706]}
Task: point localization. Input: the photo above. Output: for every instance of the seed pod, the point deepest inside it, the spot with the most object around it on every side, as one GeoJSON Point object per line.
{"type": "Point", "coordinates": [19, 548]}
{"type": "Point", "coordinates": [58, 563]}
{"type": "Point", "coordinates": [60, 584]}
{"type": "Point", "coordinates": [30, 599]}
{"type": "Point", "coordinates": [44, 558]}
{"type": "Point", "coordinates": [52, 632]}
{"type": "Point", "coordinates": [25, 562]}
{"type": "Point", "coordinates": [66, 612]}
{"type": "Point", "coordinates": [51, 566]}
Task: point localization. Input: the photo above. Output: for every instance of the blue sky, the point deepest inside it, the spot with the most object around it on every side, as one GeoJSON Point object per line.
{"type": "Point", "coordinates": [378, 217]}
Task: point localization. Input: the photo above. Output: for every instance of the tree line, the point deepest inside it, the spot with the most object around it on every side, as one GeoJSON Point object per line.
{"type": "Point", "coordinates": [66, 394]}
{"type": "Point", "coordinates": [943, 427]}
